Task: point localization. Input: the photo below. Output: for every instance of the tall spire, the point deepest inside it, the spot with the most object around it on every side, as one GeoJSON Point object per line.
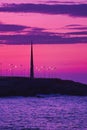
{"type": "Point", "coordinates": [31, 63]}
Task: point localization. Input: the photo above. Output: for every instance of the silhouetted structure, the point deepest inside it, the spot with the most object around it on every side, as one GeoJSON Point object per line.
{"type": "Point", "coordinates": [31, 63]}
{"type": "Point", "coordinates": [23, 86]}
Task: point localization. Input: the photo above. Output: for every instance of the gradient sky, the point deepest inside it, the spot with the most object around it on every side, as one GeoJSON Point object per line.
{"type": "Point", "coordinates": [57, 27]}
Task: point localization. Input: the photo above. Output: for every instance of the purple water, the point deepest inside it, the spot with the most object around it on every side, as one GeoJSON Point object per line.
{"type": "Point", "coordinates": [48, 113]}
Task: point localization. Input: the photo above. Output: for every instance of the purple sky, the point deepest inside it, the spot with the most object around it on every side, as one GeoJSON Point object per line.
{"type": "Point", "coordinates": [60, 23]}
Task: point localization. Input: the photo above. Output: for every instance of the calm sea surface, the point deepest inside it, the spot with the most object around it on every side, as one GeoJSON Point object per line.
{"type": "Point", "coordinates": [47, 113]}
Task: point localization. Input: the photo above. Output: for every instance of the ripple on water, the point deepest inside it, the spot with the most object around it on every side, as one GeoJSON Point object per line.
{"type": "Point", "coordinates": [48, 113]}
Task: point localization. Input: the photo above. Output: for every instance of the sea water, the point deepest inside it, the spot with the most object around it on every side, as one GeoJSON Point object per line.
{"type": "Point", "coordinates": [55, 112]}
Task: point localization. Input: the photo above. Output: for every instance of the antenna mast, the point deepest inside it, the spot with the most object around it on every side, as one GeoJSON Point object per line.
{"type": "Point", "coordinates": [31, 63]}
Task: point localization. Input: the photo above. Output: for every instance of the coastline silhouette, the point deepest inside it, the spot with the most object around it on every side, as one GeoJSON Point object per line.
{"type": "Point", "coordinates": [22, 86]}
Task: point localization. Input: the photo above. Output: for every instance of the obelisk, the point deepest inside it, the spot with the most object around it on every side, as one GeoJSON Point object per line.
{"type": "Point", "coordinates": [31, 63]}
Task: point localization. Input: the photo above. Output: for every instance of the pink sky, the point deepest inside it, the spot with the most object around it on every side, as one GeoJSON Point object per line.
{"type": "Point", "coordinates": [41, 1]}
{"type": "Point", "coordinates": [62, 60]}
{"type": "Point", "coordinates": [49, 60]}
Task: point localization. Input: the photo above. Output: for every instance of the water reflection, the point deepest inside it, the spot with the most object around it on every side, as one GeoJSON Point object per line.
{"type": "Point", "coordinates": [48, 113]}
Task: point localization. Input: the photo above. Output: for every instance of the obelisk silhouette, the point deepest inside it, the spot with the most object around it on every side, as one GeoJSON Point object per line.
{"type": "Point", "coordinates": [31, 63]}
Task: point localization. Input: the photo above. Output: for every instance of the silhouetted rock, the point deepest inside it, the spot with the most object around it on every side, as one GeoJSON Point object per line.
{"type": "Point", "coordinates": [21, 86]}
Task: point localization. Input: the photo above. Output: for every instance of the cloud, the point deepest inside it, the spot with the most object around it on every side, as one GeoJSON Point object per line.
{"type": "Point", "coordinates": [38, 35]}
{"type": "Point", "coordinates": [78, 33]}
{"type": "Point", "coordinates": [73, 25]}
{"type": "Point", "coordinates": [41, 38]}
{"type": "Point", "coordinates": [76, 27]}
{"type": "Point", "coordinates": [79, 28]}
{"type": "Point", "coordinates": [11, 27]}
{"type": "Point", "coordinates": [59, 2]}
{"type": "Point", "coordinates": [76, 10]}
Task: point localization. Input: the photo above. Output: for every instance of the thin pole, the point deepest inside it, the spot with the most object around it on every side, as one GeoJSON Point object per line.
{"type": "Point", "coordinates": [31, 63]}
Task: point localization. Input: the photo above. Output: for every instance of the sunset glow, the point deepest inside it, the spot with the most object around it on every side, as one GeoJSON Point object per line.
{"type": "Point", "coordinates": [58, 30]}
{"type": "Point", "coordinates": [63, 61]}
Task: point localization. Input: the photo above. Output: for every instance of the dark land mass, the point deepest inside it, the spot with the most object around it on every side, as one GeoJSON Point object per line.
{"type": "Point", "coordinates": [21, 86]}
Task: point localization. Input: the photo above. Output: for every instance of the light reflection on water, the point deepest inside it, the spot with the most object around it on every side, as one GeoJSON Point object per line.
{"type": "Point", "coordinates": [48, 113]}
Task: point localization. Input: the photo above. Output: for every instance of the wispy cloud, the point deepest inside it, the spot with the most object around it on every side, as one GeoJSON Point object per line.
{"type": "Point", "coordinates": [76, 10]}
{"type": "Point", "coordinates": [38, 35]}
{"type": "Point", "coordinates": [59, 2]}
{"type": "Point", "coordinates": [76, 27]}
{"type": "Point", "coordinates": [11, 28]}
{"type": "Point", "coordinates": [40, 39]}
{"type": "Point", "coordinates": [78, 33]}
